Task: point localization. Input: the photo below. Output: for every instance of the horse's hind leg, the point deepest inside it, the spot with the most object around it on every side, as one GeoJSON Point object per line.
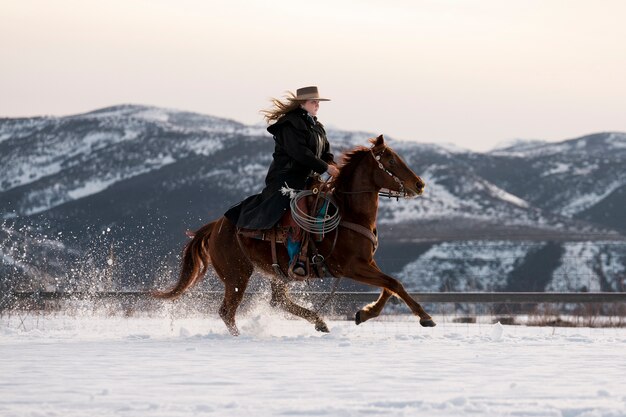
{"type": "Point", "coordinates": [280, 298]}
{"type": "Point", "coordinates": [233, 295]}
{"type": "Point", "coordinates": [234, 270]}
{"type": "Point", "coordinates": [374, 309]}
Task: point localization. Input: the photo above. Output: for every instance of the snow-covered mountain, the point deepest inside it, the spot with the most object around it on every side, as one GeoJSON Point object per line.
{"type": "Point", "coordinates": [46, 162]}
{"type": "Point", "coordinates": [517, 145]}
{"type": "Point", "coordinates": [582, 178]}
{"type": "Point", "coordinates": [142, 174]}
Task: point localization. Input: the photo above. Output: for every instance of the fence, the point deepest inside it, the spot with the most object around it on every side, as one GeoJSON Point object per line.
{"type": "Point", "coordinates": [364, 296]}
{"type": "Point", "coordinates": [34, 299]}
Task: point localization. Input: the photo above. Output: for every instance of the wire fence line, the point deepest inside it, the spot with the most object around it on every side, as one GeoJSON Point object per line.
{"type": "Point", "coordinates": [426, 297]}
{"type": "Point", "coordinates": [590, 309]}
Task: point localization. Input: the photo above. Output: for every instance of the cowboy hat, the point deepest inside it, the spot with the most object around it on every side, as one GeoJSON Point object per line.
{"type": "Point", "coordinates": [308, 93]}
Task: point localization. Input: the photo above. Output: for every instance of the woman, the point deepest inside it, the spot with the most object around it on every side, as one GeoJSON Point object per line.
{"type": "Point", "coordinates": [301, 150]}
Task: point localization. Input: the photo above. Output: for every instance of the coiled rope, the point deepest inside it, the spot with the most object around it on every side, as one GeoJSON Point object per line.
{"type": "Point", "coordinates": [319, 224]}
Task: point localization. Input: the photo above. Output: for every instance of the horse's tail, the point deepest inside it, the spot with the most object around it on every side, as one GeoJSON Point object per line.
{"type": "Point", "coordinates": [194, 264]}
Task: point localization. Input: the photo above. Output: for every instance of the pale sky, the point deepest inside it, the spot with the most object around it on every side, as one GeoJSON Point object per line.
{"type": "Point", "coordinates": [469, 72]}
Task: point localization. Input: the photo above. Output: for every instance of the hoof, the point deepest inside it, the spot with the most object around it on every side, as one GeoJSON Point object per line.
{"type": "Point", "coordinates": [232, 329]}
{"type": "Point", "coordinates": [427, 323]}
{"type": "Point", "coordinates": [357, 318]}
{"type": "Point", "coordinates": [321, 327]}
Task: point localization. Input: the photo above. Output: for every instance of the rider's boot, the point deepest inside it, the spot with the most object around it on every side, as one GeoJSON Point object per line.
{"type": "Point", "coordinates": [296, 265]}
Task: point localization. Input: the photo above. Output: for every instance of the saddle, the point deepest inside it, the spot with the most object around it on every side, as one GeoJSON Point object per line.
{"type": "Point", "coordinates": [308, 253]}
{"type": "Point", "coordinates": [277, 234]}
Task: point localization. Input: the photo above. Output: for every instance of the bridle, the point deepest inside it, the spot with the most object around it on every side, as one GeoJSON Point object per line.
{"type": "Point", "coordinates": [377, 154]}
{"type": "Point", "coordinates": [383, 192]}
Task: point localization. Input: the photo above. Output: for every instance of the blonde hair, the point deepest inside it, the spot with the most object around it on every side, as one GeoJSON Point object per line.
{"type": "Point", "coordinates": [280, 108]}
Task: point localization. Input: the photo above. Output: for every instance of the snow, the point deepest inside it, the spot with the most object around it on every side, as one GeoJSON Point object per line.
{"type": "Point", "coordinates": [256, 130]}
{"type": "Point", "coordinates": [438, 147]}
{"type": "Point", "coordinates": [26, 172]}
{"type": "Point", "coordinates": [154, 115]}
{"type": "Point", "coordinates": [55, 195]}
{"type": "Point", "coordinates": [617, 140]}
{"type": "Point", "coordinates": [452, 147]}
{"type": "Point", "coordinates": [90, 187]}
{"type": "Point", "coordinates": [53, 153]}
{"type": "Point", "coordinates": [165, 366]}
{"type": "Point", "coordinates": [117, 111]}
{"type": "Point", "coordinates": [589, 199]}
{"type": "Point", "coordinates": [584, 264]}
{"type": "Point", "coordinates": [585, 170]}
{"type": "Point", "coordinates": [559, 168]}
{"type": "Point", "coordinates": [52, 156]}
{"type": "Point", "coordinates": [204, 146]}
{"type": "Point", "coordinates": [5, 136]}
{"type": "Point", "coordinates": [251, 175]}
{"type": "Point", "coordinates": [531, 149]}
{"type": "Point", "coordinates": [19, 128]}
{"type": "Point", "coordinates": [438, 202]}
{"type": "Point", "coordinates": [464, 266]}
{"type": "Point", "coordinates": [496, 331]}
{"type": "Point", "coordinates": [517, 144]}
{"type": "Point", "coordinates": [503, 195]}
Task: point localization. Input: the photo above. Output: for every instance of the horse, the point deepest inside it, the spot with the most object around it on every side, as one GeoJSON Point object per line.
{"type": "Point", "coordinates": [364, 173]}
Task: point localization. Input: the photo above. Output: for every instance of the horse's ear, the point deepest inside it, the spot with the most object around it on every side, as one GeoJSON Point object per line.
{"type": "Point", "coordinates": [380, 140]}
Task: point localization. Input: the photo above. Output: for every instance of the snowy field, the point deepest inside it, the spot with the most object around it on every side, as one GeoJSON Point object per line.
{"type": "Point", "coordinates": [58, 365]}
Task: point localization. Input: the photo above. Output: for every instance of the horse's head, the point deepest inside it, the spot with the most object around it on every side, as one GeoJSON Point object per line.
{"type": "Point", "coordinates": [391, 174]}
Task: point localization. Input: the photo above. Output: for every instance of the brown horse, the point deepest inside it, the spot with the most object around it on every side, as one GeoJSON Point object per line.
{"type": "Point", "coordinates": [363, 174]}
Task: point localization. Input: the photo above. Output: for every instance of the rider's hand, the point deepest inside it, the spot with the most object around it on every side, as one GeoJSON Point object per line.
{"type": "Point", "coordinates": [332, 170]}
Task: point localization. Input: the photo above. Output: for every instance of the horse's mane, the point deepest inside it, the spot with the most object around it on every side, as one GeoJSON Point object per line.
{"type": "Point", "coordinates": [350, 160]}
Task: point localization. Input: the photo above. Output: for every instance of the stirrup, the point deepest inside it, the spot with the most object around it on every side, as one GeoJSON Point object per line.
{"type": "Point", "coordinates": [297, 271]}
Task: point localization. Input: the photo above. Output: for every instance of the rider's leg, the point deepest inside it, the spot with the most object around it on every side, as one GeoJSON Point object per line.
{"type": "Point", "coordinates": [297, 262]}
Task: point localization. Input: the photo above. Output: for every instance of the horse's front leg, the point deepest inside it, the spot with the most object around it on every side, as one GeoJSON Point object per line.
{"type": "Point", "coordinates": [371, 275]}
{"type": "Point", "coordinates": [280, 298]}
{"type": "Point", "coordinates": [373, 309]}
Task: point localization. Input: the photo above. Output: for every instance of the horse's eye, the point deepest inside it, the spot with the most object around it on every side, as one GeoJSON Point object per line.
{"type": "Point", "coordinates": [392, 162]}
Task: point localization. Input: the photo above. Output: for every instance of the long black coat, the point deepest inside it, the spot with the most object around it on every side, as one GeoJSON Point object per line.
{"type": "Point", "coordinates": [299, 139]}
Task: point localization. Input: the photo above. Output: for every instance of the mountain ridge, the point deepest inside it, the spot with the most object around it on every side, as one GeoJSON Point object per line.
{"type": "Point", "coordinates": [146, 173]}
